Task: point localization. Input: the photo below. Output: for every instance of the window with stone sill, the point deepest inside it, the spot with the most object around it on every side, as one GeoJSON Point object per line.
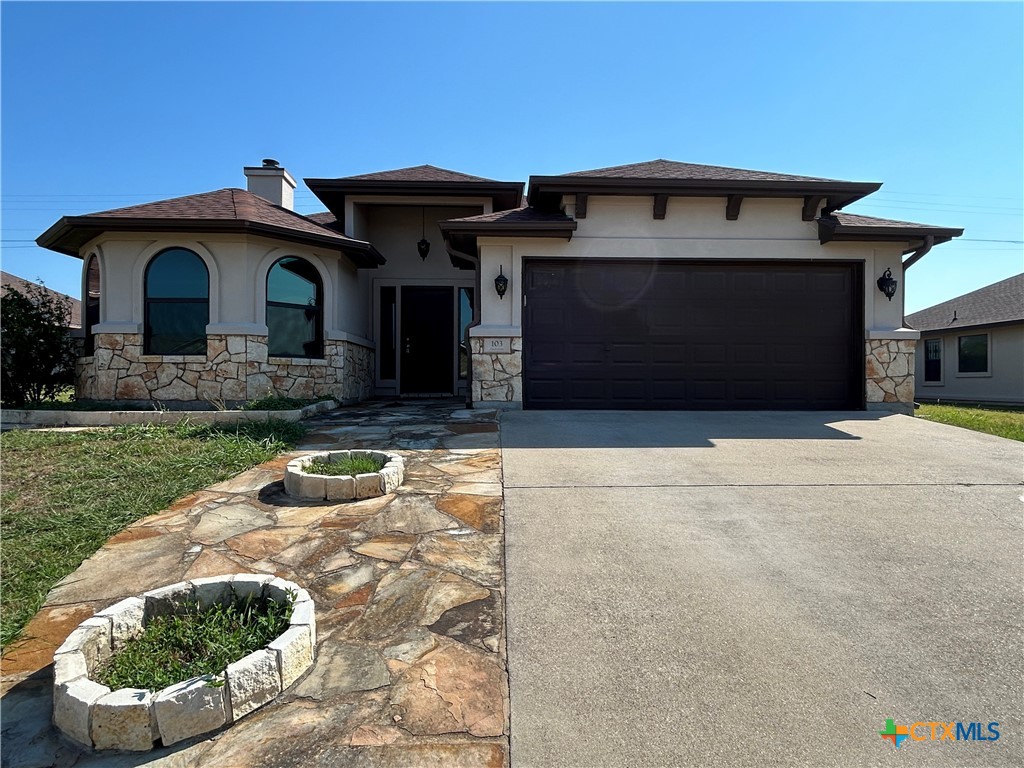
{"type": "Point", "coordinates": [177, 303]}
{"type": "Point", "coordinates": [294, 310]}
{"type": "Point", "coordinates": [973, 355]}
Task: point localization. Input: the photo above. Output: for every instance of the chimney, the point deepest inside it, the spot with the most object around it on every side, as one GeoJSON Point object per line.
{"type": "Point", "coordinates": [273, 183]}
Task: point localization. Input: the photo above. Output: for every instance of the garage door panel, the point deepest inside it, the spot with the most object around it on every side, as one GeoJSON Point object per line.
{"type": "Point", "coordinates": [791, 391]}
{"type": "Point", "coordinates": [618, 334]}
{"type": "Point", "coordinates": [584, 353]}
{"type": "Point", "coordinates": [751, 354]}
{"type": "Point", "coordinates": [629, 391]}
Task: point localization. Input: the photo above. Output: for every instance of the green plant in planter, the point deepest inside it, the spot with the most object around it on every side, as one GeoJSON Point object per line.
{"type": "Point", "coordinates": [348, 466]}
{"type": "Point", "coordinates": [172, 649]}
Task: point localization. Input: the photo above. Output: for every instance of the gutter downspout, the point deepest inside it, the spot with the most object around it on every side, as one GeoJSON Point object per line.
{"type": "Point", "coordinates": [477, 301]}
{"type": "Point", "coordinates": [920, 253]}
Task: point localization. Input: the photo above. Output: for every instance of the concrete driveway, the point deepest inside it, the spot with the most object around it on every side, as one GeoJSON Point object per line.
{"type": "Point", "coordinates": [702, 589]}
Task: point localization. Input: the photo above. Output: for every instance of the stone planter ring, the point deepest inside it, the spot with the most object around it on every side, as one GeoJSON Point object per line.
{"type": "Point", "coordinates": [133, 718]}
{"type": "Point", "coordinates": [302, 484]}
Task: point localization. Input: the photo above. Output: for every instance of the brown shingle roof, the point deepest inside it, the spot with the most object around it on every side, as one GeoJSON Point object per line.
{"type": "Point", "coordinates": [852, 226]}
{"type": "Point", "coordinates": [323, 218]}
{"type": "Point", "coordinates": [672, 178]}
{"type": "Point", "coordinates": [1001, 302]}
{"type": "Point", "coordinates": [522, 215]}
{"type": "Point", "coordinates": [856, 220]}
{"type": "Point", "coordinates": [416, 173]}
{"type": "Point", "coordinates": [419, 180]}
{"type": "Point", "coordinates": [518, 222]}
{"type": "Point", "coordinates": [224, 210]}
{"type": "Point", "coordinates": [222, 205]}
{"type": "Point", "coordinates": [671, 169]}
{"type": "Point", "coordinates": [22, 286]}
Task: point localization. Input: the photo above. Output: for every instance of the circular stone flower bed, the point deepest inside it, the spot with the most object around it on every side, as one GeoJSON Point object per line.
{"type": "Point", "coordinates": [133, 718]}
{"type": "Point", "coordinates": [300, 483]}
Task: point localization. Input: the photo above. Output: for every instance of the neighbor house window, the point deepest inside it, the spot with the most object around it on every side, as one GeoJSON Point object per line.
{"type": "Point", "coordinates": [91, 315]}
{"type": "Point", "coordinates": [294, 309]}
{"type": "Point", "coordinates": [972, 353]}
{"type": "Point", "coordinates": [177, 299]}
{"type": "Point", "coordinates": [933, 361]}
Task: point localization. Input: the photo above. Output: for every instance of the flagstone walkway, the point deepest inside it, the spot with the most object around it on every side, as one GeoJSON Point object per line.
{"type": "Point", "coordinates": [410, 666]}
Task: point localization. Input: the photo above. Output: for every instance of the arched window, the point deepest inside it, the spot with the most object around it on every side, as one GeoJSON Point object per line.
{"type": "Point", "coordinates": [177, 298]}
{"type": "Point", "coordinates": [91, 316]}
{"type": "Point", "coordinates": [294, 309]}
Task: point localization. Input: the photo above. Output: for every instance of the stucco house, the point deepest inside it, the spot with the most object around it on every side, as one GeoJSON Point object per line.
{"type": "Point", "coordinates": [972, 347]}
{"type": "Point", "coordinates": [653, 285]}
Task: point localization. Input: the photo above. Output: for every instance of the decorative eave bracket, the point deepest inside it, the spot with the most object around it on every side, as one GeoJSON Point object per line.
{"type": "Point", "coordinates": [810, 209]}
{"type": "Point", "coordinates": [660, 205]}
{"type": "Point", "coordinates": [732, 207]}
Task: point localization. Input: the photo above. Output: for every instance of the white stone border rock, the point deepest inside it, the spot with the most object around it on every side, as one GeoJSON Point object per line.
{"type": "Point", "coordinates": [133, 719]}
{"type": "Point", "coordinates": [305, 485]}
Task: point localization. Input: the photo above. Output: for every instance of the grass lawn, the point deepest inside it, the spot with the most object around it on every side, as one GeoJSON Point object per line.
{"type": "Point", "coordinates": [1000, 420]}
{"type": "Point", "coordinates": [65, 493]}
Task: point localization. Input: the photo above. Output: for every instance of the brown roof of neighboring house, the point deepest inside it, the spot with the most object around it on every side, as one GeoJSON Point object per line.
{"type": "Point", "coordinates": [416, 173]}
{"type": "Point", "coordinates": [672, 178]}
{"type": "Point", "coordinates": [22, 286]}
{"type": "Point", "coordinates": [1001, 302]}
{"type": "Point", "coordinates": [224, 210]}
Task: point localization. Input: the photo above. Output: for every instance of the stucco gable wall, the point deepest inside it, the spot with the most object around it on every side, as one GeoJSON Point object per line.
{"type": "Point", "coordinates": [693, 217]}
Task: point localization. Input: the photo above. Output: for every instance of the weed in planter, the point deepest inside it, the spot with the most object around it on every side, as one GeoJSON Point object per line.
{"type": "Point", "coordinates": [347, 466]}
{"type": "Point", "coordinates": [173, 649]}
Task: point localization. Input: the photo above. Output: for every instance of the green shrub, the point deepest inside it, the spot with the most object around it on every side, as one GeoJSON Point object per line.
{"type": "Point", "coordinates": [38, 353]}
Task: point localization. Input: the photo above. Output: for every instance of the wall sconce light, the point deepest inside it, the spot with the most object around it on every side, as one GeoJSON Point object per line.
{"type": "Point", "coordinates": [501, 283]}
{"type": "Point", "coordinates": [423, 246]}
{"type": "Point", "coordinates": [887, 284]}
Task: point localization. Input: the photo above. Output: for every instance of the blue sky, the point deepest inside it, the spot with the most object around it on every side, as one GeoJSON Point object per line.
{"type": "Point", "coordinates": [112, 104]}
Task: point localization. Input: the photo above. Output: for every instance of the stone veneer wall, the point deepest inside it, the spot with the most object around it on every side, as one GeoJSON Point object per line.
{"type": "Point", "coordinates": [235, 368]}
{"type": "Point", "coordinates": [497, 377]}
{"type": "Point", "coordinates": [889, 375]}
{"type": "Point", "coordinates": [889, 372]}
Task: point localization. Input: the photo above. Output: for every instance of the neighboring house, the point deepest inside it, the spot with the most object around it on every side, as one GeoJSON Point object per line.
{"type": "Point", "coordinates": [972, 347]}
{"type": "Point", "coordinates": [654, 285]}
{"type": "Point", "coordinates": [24, 286]}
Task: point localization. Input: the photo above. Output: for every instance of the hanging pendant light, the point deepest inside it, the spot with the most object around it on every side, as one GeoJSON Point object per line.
{"type": "Point", "coordinates": [423, 246]}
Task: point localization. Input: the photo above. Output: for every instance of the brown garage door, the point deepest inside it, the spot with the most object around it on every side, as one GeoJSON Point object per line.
{"type": "Point", "coordinates": [692, 335]}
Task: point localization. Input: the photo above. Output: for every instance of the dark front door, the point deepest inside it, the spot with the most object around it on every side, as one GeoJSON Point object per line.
{"type": "Point", "coordinates": [427, 340]}
{"type": "Point", "coordinates": [691, 335]}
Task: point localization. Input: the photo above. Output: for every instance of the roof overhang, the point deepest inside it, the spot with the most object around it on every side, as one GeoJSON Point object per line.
{"type": "Point", "coordinates": [969, 327]}
{"type": "Point", "coordinates": [332, 192]}
{"type": "Point", "coordinates": [70, 233]}
{"type": "Point", "coordinates": [461, 236]}
{"type": "Point", "coordinates": [559, 229]}
{"type": "Point", "coordinates": [830, 230]}
{"type": "Point", "coordinates": [546, 191]}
